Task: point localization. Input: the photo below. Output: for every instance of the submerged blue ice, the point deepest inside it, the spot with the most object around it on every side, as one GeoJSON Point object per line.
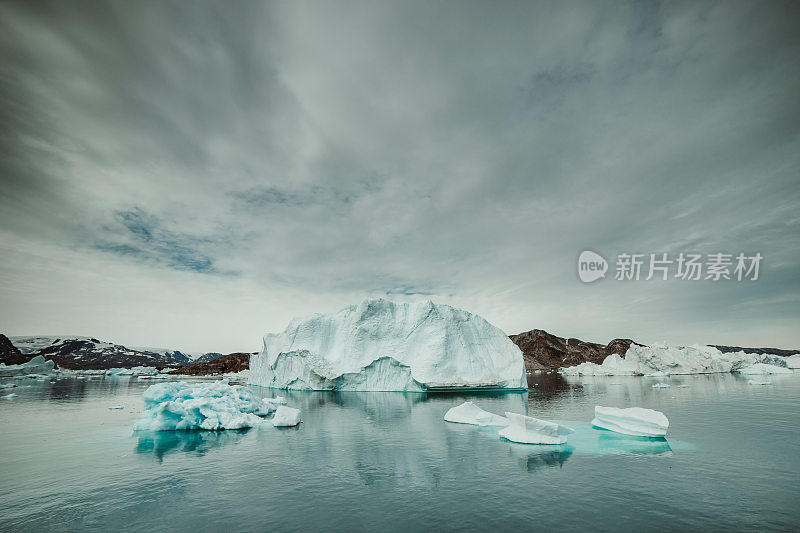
{"type": "Point", "coordinates": [589, 440]}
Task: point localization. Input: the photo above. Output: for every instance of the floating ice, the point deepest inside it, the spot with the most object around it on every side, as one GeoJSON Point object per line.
{"type": "Point", "coordinates": [276, 401]}
{"type": "Point", "coordinates": [381, 345]}
{"type": "Point", "coordinates": [117, 407]}
{"type": "Point", "coordinates": [134, 371]}
{"type": "Point", "coordinates": [759, 369]}
{"type": "Point", "coordinates": [10, 396]}
{"type": "Point", "coordinates": [469, 413]}
{"type": "Point", "coordinates": [216, 405]}
{"type": "Point", "coordinates": [635, 421]}
{"type": "Point", "coordinates": [661, 360]}
{"type": "Point", "coordinates": [793, 361]}
{"type": "Point", "coordinates": [752, 382]}
{"type": "Point", "coordinates": [660, 385]}
{"type": "Point", "coordinates": [37, 365]}
{"type": "Point", "coordinates": [7, 385]}
{"type": "Point", "coordinates": [529, 430]}
{"type": "Point", "coordinates": [286, 417]}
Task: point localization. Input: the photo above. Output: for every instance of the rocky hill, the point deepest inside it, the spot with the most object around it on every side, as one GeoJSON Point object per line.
{"type": "Point", "coordinates": [207, 357]}
{"type": "Point", "coordinates": [544, 351]}
{"type": "Point", "coordinates": [234, 362]}
{"type": "Point", "coordinates": [10, 354]}
{"type": "Point", "coordinates": [769, 351]}
{"type": "Point", "coordinates": [85, 353]}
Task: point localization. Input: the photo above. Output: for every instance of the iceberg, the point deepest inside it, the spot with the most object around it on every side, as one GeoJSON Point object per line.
{"type": "Point", "coordinates": [37, 365]}
{"type": "Point", "coordinates": [761, 369]}
{"type": "Point", "coordinates": [529, 430]}
{"type": "Point", "coordinates": [469, 413]}
{"type": "Point", "coordinates": [379, 345]}
{"type": "Point", "coordinates": [216, 405]}
{"type": "Point", "coordinates": [793, 361]}
{"type": "Point", "coordinates": [661, 360]}
{"type": "Point", "coordinates": [635, 421]}
{"type": "Point", "coordinates": [286, 417]}
{"type": "Point", "coordinates": [134, 371]}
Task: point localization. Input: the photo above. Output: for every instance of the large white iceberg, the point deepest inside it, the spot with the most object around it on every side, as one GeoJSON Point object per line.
{"type": "Point", "coordinates": [529, 430]}
{"type": "Point", "coordinates": [37, 365]}
{"type": "Point", "coordinates": [381, 345]}
{"type": "Point", "coordinates": [635, 421]}
{"type": "Point", "coordinates": [469, 413]}
{"type": "Point", "coordinates": [661, 359]}
{"type": "Point", "coordinates": [216, 405]}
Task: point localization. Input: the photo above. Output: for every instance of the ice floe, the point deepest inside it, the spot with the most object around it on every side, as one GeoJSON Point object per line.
{"type": "Point", "coordinates": [276, 401]}
{"type": "Point", "coordinates": [215, 405]}
{"type": "Point", "coordinates": [635, 421]}
{"type": "Point", "coordinates": [286, 416]}
{"type": "Point", "coordinates": [134, 371]}
{"type": "Point", "coordinates": [660, 360]}
{"type": "Point", "coordinates": [379, 345]}
{"type": "Point", "coordinates": [529, 430]}
{"type": "Point", "coordinates": [469, 413]}
{"type": "Point", "coordinates": [37, 365]}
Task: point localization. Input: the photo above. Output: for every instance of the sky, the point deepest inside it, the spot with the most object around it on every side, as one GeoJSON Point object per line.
{"type": "Point", "coordinates": [193, 175]}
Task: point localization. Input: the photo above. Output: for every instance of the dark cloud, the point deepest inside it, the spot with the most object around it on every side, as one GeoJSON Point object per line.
{"type": "Point", "coordinates": [467, 152]}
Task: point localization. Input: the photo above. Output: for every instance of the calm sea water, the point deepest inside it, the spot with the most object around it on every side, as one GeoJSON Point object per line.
{"type": "Point", "coordinates": [387, 461]}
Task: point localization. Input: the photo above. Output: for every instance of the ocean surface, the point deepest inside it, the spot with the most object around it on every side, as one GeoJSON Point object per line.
{"type": "Point", "coordinates": [388, 462]}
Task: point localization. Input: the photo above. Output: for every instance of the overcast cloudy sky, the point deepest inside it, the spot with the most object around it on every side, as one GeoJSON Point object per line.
{"type": "Point", "coordinates": [194, 175]}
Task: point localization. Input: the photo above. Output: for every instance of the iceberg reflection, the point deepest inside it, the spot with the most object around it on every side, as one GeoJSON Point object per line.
{"type": "Point", "coordinates": [535, 457]}
{"type": "Point", "coordinates": [198, 442]}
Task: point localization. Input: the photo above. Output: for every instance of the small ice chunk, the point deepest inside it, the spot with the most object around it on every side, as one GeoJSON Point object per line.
{"type": "Point", "coordinates": [660, 385]}
{"type": "Point", "coordinates": [9, 396]}
{"type": "Point", "coordinates": [117, 407]}
{"type": "Point", "coordinates": [752, 382]}
{"type": "Point", "coordinates": [635, 421]}
{"type": "Point", "coordinates": [469, 413]}
{"type": "Point", "coordinates": [286, 417]}
{"type": "Point", "coordinates": [760, 369]}
{"type": "Point", "coordinates": [7, 385]}
{"type": "Point", "coordinates": [276, 401]}
{"type": "Point", "coordinates": [529, 430]}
